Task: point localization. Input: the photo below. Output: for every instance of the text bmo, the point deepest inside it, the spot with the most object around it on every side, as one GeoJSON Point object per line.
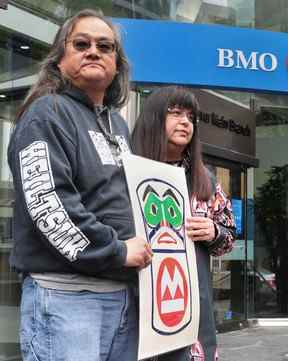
{"type": "Point", "coordinates": [228, 58]}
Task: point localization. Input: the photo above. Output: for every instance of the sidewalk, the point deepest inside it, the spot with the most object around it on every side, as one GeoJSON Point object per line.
{"type": "Point", "coordinates": [254, 344]}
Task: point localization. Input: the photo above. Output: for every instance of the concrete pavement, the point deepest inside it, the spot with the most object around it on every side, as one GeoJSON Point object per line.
{"type": "Point", "coordinates": [254, 344]}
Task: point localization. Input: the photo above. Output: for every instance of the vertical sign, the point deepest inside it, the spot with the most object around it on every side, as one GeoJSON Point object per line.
{"type": "Point", "coordinates": [169, 295]}
{"type": "Point", "coordinates": [237, 205]}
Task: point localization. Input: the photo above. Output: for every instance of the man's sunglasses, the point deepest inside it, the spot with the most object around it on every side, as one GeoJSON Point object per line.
{"type": "Point", "coordinates": [104, 46]}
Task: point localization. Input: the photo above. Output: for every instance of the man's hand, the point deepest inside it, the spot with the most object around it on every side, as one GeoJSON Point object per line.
{"type": "Point", "coordinates": [139, 253]}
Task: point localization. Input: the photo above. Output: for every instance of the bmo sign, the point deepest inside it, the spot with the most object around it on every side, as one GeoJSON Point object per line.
{"type": "Point", "coordinates": [228, 58]}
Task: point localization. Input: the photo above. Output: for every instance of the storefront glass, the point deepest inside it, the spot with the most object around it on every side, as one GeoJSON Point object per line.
{"type": "Point", "coordinates": [267, 207]}
{"type": "Point", "coordinates": [259, 14]}
{"type": "Point", "coordinates": [267, 292]}
{"type": "Point", "coordinates": [271, 208]}
{"type": "Point", "coordinates": [19, 59]}
{"type": "Point", "coordinates": [9, 281]}
{"type": "Point", "coordinates": [228, 271]}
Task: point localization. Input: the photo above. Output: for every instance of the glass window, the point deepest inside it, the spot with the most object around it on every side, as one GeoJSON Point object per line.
{"type": "Point", "coordinates": [271, 208]}
{"type": "Point", "coordinates": [9, 280]}
{"type": "Point", "coordinates": [260, 14]}
{"type": "Point", "coordinates": [19, 58]}
{"type": "Point", "coordinates": [228, 271]}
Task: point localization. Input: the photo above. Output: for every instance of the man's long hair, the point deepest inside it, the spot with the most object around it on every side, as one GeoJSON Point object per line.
{"type": "Point", "coordinates": [51, 81]}
{"type": "Point", "coordinates": [149, 137]}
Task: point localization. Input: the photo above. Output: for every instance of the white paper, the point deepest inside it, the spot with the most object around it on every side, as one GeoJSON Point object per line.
{"type": "Point", "coordinates": [168, 288]}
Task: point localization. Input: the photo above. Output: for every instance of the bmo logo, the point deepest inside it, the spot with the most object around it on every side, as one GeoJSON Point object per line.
{"type": "Point", "coordinates": [228, 58]}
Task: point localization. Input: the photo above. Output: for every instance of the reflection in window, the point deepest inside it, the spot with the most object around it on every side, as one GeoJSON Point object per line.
{"type": "Point", "coordinates": [200, 11]}
{"type": "Point", "coordinates": [9, 281]}
{"type": "Point", "coordinates": [19, 57]}
{"type": "Point", "coordinates": [260, 14]}
{"type": "Point", "coordinates": [271, 208]}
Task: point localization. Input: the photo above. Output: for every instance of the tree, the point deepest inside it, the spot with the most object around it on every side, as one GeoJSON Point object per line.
{"type": "Point", "coordinates": [271, 216]}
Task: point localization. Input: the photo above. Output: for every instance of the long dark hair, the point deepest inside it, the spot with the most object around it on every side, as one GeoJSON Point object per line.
{"type": "Point", "coordinates": [51, 81]}
{"type": "Point", "coordinates": [149, 137]}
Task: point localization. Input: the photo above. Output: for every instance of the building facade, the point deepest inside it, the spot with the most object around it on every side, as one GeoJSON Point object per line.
{"type": "Point", "coordinates": [244, 125]}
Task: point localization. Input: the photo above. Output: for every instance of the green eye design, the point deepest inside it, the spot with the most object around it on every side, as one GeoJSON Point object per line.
{"type": "Point", "coordinates": [164, 209]}
{"type": "Point", "coordinates": [156, 211]}
{"type": "Point", "coordinates": [153, 210]}
{"type": "Point", "coordinates": [173, 214]}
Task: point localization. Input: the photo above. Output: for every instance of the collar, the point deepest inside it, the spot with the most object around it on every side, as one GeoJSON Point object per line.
{"type": "Point", "coordinates": [79, 95]}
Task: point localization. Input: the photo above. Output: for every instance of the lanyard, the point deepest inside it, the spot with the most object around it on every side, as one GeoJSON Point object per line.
{"type": "Point", "coordinates": [107, 134]}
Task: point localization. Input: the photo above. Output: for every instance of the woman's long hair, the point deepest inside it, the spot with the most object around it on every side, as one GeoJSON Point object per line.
{"type": "Point", "coordinates": [51, 81]}
{"type": "Point", "coordinates": [149, 137]}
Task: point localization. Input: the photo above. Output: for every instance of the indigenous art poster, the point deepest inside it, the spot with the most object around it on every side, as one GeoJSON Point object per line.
{"type": "Point", "coordinates": [168, 288]}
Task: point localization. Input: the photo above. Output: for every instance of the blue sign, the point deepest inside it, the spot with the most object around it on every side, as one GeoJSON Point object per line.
{"type": "Point", "coordinates": [238, 212]}
{"type": "Point", "coordinates": [206, 55]}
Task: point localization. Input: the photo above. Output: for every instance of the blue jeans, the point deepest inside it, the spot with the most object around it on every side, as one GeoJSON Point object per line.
{"type": "Point", "coordinates": [77, 326]}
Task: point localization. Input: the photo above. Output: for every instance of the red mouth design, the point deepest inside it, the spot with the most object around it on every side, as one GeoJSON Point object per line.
{"type": "Point", "coordinates": [166, 238]}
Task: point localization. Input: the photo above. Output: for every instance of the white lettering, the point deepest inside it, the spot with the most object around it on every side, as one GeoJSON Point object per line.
{"type": "Point", "coordinates": [44, 205]}
{"type": "Point", "coordinates": [227, 58]}
{"type": "Point", "coordinates": [47, 204]}
{"type": "Point", "coordinates": [33, 152]}
{"type": "Point", "coordinates": [35, 187]}
{"type": "Point", "coordinates": [241, 62]}
{"type": "Point", "coordinates": [51, 222]}
{"type": "Point", "coordinates": [273, 61]}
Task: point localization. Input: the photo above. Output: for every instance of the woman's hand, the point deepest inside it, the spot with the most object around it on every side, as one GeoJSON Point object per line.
{"type": "Point", "coordinates": [200, 228]}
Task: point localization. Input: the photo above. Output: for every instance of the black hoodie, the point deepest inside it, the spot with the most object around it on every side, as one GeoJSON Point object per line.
{"type": "Point", "coordinates": [72, 209]}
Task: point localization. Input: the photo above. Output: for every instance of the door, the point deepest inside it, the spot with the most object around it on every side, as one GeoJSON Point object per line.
{"type": "Point", "coordinates": [229, 271]}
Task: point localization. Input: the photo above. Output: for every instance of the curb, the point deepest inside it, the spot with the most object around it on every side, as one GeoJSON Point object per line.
{"type": "Point", "coordinates": [268, 322]}
{"type": "Point", "coordinates": [252, 323]}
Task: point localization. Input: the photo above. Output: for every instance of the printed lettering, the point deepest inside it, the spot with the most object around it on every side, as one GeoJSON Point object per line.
{"type": "Point", "coordinates": [228, 58]}
{"type": "Point", "coordinates": [51, 222]}
{"type": "Point", "coordinates": [242, 62]}
{"type": "Point", "coordinates": [48, 203]}
{"type": "Point", "coordinates": [225, 58]}
{"type": "Point", "coordinates": [44, 205]}
{"type": "Point", "coordinates": [263, 63]}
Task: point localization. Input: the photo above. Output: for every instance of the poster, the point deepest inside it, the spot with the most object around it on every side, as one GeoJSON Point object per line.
{"type": "Point", "coordinates": [237, 206]}
{"type": "Point", "coordinates": [168, 288]}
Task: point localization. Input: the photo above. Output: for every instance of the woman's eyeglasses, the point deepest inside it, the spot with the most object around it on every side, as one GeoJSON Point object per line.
{"type": "Point", "coordinates": [104, 46]}
{"type": "Point", "coordinates": [180, 114]}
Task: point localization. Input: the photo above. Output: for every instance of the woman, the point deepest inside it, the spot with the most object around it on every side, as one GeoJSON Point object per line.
{"type": "Point", "coordinates": [167, 131]}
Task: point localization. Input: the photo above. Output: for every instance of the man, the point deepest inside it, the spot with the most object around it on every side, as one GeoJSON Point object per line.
{"type": "Point", "coordinates": [74, 233]}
